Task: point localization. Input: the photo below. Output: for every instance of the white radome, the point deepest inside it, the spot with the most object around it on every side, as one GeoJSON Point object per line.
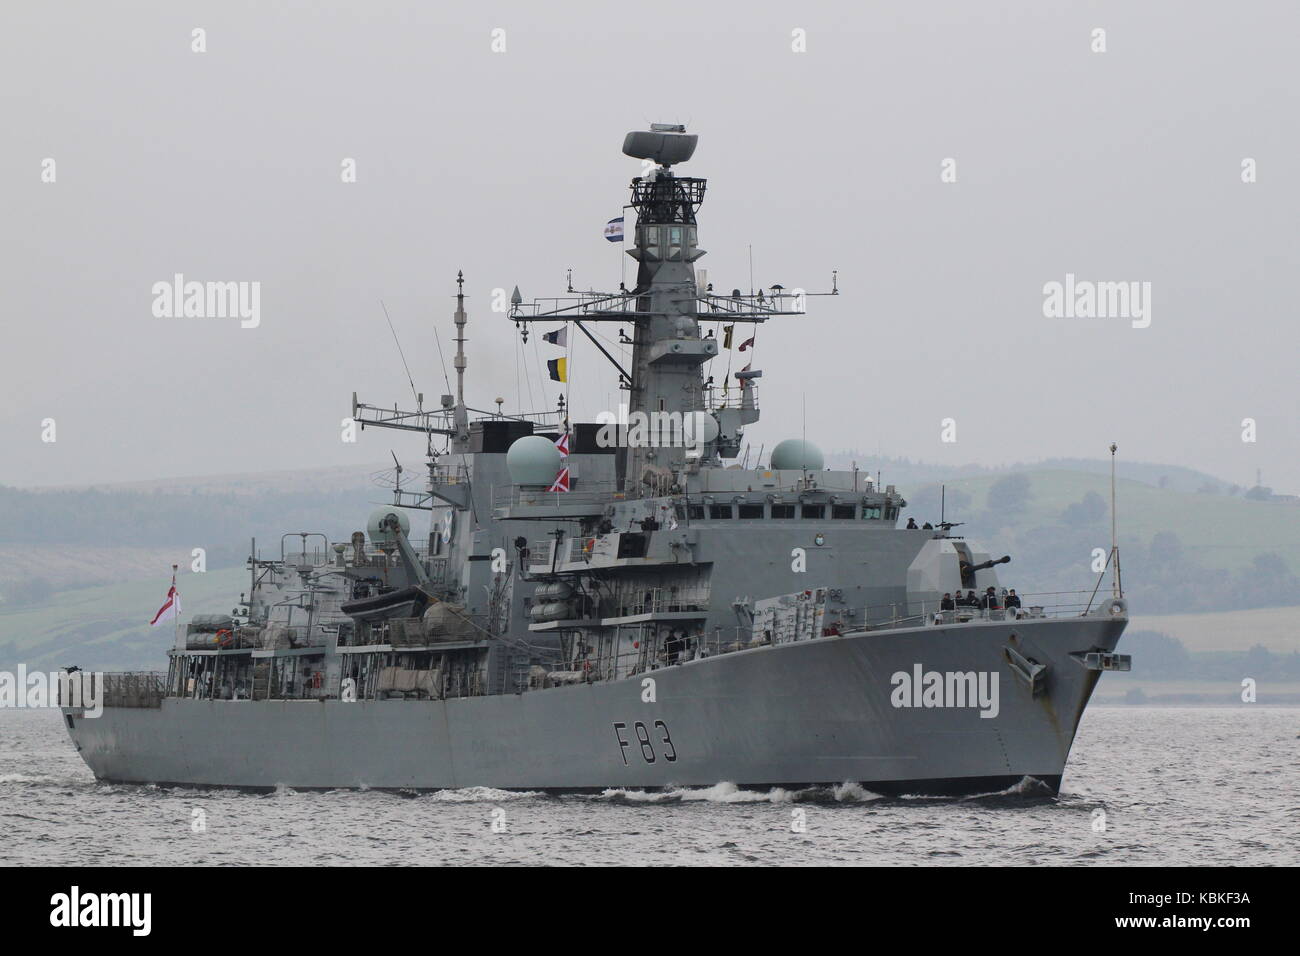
{"type": "Point", "coordinates": [795, 454]}
{"type": "Point", "coordinates": [533, 460]}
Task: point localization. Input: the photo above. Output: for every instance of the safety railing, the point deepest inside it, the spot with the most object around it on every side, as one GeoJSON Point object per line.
{"type": "Point", "coordinates": [635, 601]}
{"type": "Point", "coordinates": [1033, 605]}
{"type": "Point", "coordinates": [716, 399]}
{"type": "Point", "coordinates": [121, 689]}
{"type": "Point", "coordinates": [581, 493]}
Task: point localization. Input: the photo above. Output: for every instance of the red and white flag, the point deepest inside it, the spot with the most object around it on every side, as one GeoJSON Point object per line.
{"type": "Point", "coordinates": [561, 482]}
{"type": "Point", "coordinates": [562, 443]}
{"type": "Point", "coordinates": [171, 608]}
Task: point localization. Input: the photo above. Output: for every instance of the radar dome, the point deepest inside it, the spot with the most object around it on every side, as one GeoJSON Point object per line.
{"type": "Point", "coordinates": [380, 535]}
{"type": "Point", "coordinates": [795, 454]}
{"type": "Point", "coordinates": [700, 428]}
{"type": "Point", "coordinates": [533, 460]}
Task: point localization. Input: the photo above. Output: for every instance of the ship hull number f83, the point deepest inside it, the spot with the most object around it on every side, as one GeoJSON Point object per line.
{"type": "Point", "coordinates": [651, 742]}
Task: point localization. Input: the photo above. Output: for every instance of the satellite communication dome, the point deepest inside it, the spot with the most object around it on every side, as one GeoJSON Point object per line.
{"type": "Point", "coordinates": [380, 536]}
{"type": "Point", "coordinates": [701, 428]}
{"type": "Point", "coordinates": [533, 460]}
{"type": "Point", "coordinates": [795, 454]}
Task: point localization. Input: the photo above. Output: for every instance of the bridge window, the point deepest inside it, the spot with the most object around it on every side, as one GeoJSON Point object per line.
{"type": "Point", "coordinates": [631, 545]}
{"type": "Point", "coordinates": [813, 511]}
{"type": "Point", "coordinates": [782, 511]}
{"type": "Point", "coordinates": [719, 511]}
{"type": "Point", "coordinates": [695, 512]}
{"type": "Point", "coordinates": [751, 511]}
{"type": "Point", "coordinates": [841, 511]}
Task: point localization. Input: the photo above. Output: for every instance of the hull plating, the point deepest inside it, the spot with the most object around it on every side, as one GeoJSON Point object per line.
{"type": "Point", "coordinates": [812, 712]}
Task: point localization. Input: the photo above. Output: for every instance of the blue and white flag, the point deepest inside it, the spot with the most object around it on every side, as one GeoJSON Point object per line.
{"type": "Point", "coordinates": [614, 230]}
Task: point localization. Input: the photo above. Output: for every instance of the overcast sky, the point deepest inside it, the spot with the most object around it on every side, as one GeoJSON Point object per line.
{"type": "Point", "coordinates": [226, 165]}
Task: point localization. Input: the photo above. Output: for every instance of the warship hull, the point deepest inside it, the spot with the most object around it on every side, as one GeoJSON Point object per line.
{"type": "Point", "coordinates": [820, 712]}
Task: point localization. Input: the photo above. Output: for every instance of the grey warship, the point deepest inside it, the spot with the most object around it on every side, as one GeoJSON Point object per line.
{"type": "Point", "coordinates": [626, 603]}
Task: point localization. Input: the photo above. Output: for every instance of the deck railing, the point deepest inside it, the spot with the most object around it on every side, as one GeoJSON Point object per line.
{"type": "Point", "coordinates": [662, 645]}
{"type": "Point", "coordinates": [121, 689]}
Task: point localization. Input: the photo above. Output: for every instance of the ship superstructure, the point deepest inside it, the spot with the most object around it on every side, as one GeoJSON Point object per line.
{"type": "Point", "coordinates": [625, 602]}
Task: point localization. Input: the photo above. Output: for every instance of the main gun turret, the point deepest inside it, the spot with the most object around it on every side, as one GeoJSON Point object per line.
{"type": "Point", "coordinates": [983, 566]}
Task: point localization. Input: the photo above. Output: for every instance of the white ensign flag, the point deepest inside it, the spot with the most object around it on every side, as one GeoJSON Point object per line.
{"type": "Point", "coordinates": [171, 608]}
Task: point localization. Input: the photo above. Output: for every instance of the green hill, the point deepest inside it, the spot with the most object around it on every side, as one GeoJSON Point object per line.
{"type": "Point", "coordinates": [1180, 551]}
{"type": "Point", "coordinates": [1228, 530]}
{"type": "Point", "coordinates": [107, 628]}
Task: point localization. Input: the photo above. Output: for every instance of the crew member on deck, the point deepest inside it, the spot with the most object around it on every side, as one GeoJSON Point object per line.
{"type": "Point", "coordinates": [947, 603]}
{"type": "Point", "coordinates": [675, 645]}
{"type": "Point", "coordinates": [911, 525]}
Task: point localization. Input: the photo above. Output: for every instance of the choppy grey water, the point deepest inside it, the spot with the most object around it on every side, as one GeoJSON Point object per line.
{"type": "Point", "coordinates": [1174, 787]}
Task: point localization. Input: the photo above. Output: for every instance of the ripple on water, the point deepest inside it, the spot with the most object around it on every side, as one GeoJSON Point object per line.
{"type": "Point", "coordinates": [1239, 799]}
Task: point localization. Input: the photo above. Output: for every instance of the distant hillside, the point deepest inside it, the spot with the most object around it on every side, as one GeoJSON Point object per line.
{"type": "Point", "coordinates": [1273, 628]}
{"type": "Point", "coordinates": [1180, 551]}
{"type": "Point", "coordinates": [57, 539]}
{"type": "Point", "coordinates": [299, 480]}
{"type": "Point", "coordinates": [107, 628]}
{"type": "Point", "coordinates": [908, 475]}
{"type": "Point", "coordinates": [1186, 660]}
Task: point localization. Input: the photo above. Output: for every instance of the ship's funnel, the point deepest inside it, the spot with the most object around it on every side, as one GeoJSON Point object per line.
{"type": "Point", "coordinates": [664, 148]}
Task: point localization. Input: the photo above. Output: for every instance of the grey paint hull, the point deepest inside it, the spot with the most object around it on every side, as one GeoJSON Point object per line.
{"type": "Point", "coordinates": [811, 712]}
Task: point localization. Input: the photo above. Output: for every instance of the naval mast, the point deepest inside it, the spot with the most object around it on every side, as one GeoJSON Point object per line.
{"type": "Point", "coordinates": [666, 389]}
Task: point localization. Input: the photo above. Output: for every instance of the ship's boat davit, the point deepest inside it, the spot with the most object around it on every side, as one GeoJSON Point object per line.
{"type": "Point", "coordinates": [402, 602]}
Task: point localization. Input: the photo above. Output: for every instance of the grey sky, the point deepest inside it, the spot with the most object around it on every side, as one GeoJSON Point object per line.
{"type": "Point", "coordinates": [226, 166]}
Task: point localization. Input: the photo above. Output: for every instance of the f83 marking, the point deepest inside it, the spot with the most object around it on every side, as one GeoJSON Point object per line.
{"type": "Point", "coordinates": [643, 741]}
